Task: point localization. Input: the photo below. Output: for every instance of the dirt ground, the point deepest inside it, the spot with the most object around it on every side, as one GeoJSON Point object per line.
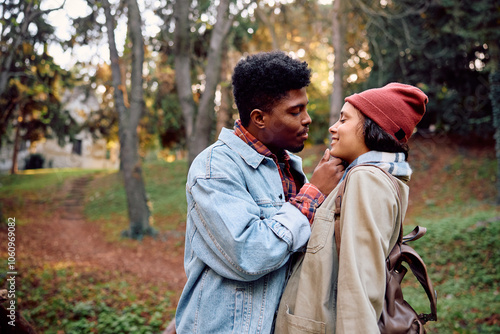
{"type": "Point", "coordinates": [64, 236]}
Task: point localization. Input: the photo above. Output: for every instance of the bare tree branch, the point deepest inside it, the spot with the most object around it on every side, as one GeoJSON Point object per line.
{"type": "Point", "coordinates": [270, 26]}
{"type": "Point", "coordinates": [119, 90]}
{"type": "Point", "coordinates": [418, 9]}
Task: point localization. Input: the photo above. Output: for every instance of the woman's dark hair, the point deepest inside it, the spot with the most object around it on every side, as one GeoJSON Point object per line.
{"type": "Point", "coordinates": [262, 80]}
{"type": "Point", "coordinates": [376, 139]}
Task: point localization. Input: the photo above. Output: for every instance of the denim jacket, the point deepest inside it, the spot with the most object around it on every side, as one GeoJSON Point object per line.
{"type": "Point", "coordinates": [240, 234]}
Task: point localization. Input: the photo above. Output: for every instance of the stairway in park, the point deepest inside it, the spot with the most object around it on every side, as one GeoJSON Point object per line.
{"type": "Point", "coordinates": [73, 202]}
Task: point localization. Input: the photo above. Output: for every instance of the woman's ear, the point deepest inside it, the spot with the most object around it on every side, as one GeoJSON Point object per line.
{"type": "Point", "coordinates": [257, 118]}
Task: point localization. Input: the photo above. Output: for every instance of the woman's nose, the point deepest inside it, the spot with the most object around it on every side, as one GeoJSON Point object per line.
{"type": "Point", "coordinates": [332, 129]}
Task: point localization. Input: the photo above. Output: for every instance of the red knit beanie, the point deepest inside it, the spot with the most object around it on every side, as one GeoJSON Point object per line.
{"type": "Point", "coordinates": [396, 108]}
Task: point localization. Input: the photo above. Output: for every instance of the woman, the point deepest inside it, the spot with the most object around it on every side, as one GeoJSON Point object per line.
{"type": "Point", "coordinates": [331, 293]}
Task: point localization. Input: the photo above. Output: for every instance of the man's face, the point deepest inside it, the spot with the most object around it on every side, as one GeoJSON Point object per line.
{"type": "Point", "coordinates": [287, 125]}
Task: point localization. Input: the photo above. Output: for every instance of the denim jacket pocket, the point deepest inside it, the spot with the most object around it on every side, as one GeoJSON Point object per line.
{"type": "Point", "coordinates": [301, 325]}
{"type": "Point", "coordinates": [322, 229]}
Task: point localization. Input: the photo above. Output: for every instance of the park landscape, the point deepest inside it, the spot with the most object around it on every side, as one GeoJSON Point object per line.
{"type": "Point", "coordinates": [77, 274]}
{"type": "Point", "coordinates": [104, 105]}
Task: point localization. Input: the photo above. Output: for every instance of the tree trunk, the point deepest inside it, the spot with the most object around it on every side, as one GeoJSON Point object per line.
{"type": "Point", "coordinates": [494, 79]}
{"type": "Point", "coordinates": [129, 117]}
{"type": "Point", "coordinates": [182, 50]}
{"type": "Point", "coordinates": [202, 124]}
{"type": "Point", "coordinates": [337, 100]}
{"type": "Point", "coordinates": [14, 167]}
{"type": "Point", "coordinates": [224, 115]}
{"type": "Point", "coordinates": [7, 59]}
{"type": "Point", "coordinates": [205, 119]}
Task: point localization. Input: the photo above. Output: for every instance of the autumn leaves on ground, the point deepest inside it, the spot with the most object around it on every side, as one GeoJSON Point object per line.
{"type": "Point", "coordinates": [77, 275]}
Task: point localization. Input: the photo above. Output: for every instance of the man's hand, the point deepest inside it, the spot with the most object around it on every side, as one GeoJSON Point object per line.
{"type": "Point", "coordinates": [327, 173]}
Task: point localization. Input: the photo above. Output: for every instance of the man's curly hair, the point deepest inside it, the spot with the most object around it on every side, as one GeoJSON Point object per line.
{"type": "Point", "coordinates": [263, 79]}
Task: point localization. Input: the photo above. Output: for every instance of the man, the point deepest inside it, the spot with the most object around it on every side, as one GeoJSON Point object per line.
{"type": "Point", "coordinates": [249, 203]}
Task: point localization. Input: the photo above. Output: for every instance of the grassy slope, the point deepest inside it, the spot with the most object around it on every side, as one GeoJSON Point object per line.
{"type": "Point", "coordinates": [453, 201]}
{"type": "Point", "coordinates": [165, 186]}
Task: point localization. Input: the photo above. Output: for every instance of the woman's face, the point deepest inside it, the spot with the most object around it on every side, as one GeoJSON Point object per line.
{"type": "Point", "coordinates": [348, 141]}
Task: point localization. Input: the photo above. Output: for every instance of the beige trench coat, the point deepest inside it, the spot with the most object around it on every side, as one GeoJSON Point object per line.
{"type": "Point", "coordinates": [314, 300]}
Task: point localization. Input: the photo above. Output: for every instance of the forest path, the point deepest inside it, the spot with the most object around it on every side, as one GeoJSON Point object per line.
{"type": "Point", "coordinates": [64, 237]}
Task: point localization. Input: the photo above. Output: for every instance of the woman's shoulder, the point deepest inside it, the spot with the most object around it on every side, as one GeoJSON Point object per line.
{"type": "Point", "coordinates": [374, 176]}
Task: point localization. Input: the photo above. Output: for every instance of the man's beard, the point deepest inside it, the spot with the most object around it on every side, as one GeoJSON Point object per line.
{"type": "Point", "coordinates": [296, 149]}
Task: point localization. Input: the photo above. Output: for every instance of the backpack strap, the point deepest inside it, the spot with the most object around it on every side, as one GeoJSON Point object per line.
{"type": "Point", "coordinates": [417, 266]}
{"type": "Point", "coordinates": [403, 252]}
{"type": "Point", "coordinates": [417, 233]}
{"type": "Point", "coordinates": [338, 203]}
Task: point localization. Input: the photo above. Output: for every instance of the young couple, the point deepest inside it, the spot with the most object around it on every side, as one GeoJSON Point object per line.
{"type": "Point", "coordinates": [252, 211]}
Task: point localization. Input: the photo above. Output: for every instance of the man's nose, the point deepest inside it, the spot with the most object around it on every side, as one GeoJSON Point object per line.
{"type": "Point", "coordinates": [307, 119]}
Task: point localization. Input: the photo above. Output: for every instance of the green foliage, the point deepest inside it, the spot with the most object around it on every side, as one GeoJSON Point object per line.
{"type": "Point", "coordinates": [495, 104]}
{"type": "Point", "coordinates": [31, 99]}
{"type": "Point", "coordinates": [443, 47]}
{"type": "Point", "coordinates": [166, 117]}
{"type": "Point", "coordinates": [111, 321]}
{"type": "Point", "coordinates": [76, 301]}
{"type": "Point", "coordinates": [460, 253]}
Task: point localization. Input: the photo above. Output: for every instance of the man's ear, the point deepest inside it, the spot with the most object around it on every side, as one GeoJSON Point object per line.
{"type": "Point", "coordinates": [257, 118]}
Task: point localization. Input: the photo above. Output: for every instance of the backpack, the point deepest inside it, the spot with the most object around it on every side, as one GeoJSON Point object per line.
{"type": "Point", "coordinates": [397, 315]}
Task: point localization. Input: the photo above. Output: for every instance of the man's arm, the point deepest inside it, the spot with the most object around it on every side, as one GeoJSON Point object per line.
{"type": "Point", "coordinates": [237, 237]}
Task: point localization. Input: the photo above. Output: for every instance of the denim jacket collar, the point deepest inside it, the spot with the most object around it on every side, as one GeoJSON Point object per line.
{"type": "Point", "coordinates": [248, 154]}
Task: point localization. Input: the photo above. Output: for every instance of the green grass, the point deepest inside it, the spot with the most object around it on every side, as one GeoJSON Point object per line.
{"type": "Point", "coordinates": [43, 180]}
{"type": "Point", "coordinates": [165, 187]}
{"type": "Point", "coordinates": [460, 247]}
{"type": "Point", "coordinates": [461, 254]}
{"type": "Point", "coordinates": [79, 301]}
{"type": "Point", "coordinates": [40, 185]}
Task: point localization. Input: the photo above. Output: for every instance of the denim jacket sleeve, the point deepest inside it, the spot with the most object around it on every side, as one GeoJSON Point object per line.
{"type": "Point", "coordinates": [237, 223]}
